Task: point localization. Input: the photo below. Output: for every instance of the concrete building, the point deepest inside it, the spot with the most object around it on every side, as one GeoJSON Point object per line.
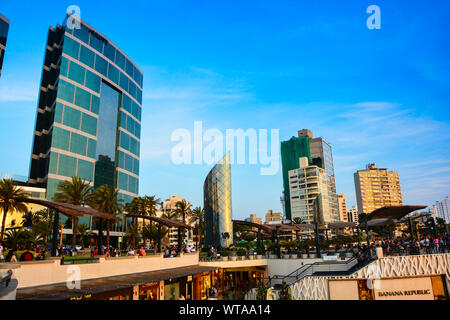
{"type": "Point", "coordinates": [342, 208]}
{"type": "Point", "coordinates": [253, 218]}
{"type": "Point", "coordinates": [170, 205]}
{"type": "Point", "coordinates": [305, 185]}
{"type": "Point", "coordinates": [217, 205]}
{"type": "Point", "coordinates": [352, 214]}
{"type": "Point", "coordinates": [273, 217]}
{"type": "Point", "coordinates": [376, 188]}
{"type": "Point", "coordinates": [15, 219]}
{"type": "Point", "coordinates": [4, 28]}
{"type": "Point", "coordinates": [317, 152]}
{"type": "Point", "coordinates": [442, 209]}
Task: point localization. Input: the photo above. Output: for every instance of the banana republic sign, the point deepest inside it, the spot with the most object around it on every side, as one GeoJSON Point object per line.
{"type": "Point", "coordinates": [404, 289]}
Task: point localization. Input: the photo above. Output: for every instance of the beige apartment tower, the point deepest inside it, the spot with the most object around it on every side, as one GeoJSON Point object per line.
{"type": "Point", "coordinates": [342, 208]}
{"type": "Point", "coordinates": [376, 188]}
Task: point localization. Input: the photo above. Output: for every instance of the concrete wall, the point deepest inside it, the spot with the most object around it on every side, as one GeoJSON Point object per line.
{"type": "Point", "coordinates": [286, 266]}
{"type": "Point", "coordinates": [39, 273]}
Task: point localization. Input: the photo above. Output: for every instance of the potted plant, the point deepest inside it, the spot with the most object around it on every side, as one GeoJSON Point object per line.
{"type": "Point", "coordinates": [232, 255]}
{"type": "Point", "coordinates": [224, 254]}
{"type": "Point", "coordinates": [259, 253]}
{"type": "Point", "coordinates": [241, 253]}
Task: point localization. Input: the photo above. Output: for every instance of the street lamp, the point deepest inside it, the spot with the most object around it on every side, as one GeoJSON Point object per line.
{"type": "Point", "coordinates": [316, 226]}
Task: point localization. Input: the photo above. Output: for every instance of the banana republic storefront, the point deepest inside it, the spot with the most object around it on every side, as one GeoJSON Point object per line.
{"type": "Point", "coordinates": [407, 288]}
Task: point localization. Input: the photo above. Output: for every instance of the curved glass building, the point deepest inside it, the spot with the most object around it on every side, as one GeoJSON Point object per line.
{"type": "Point", "coordinates": [217, 205]}
{"type": "Point", "coordinates": [88, 121]}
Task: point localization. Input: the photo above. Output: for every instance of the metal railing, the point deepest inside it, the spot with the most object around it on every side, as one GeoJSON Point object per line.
{"type": "Point", "coordinates": [79, 260]}
{"type": "Point", "coordinates": [335, 267]}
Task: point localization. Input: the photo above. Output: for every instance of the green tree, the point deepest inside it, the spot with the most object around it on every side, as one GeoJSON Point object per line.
{"type": "Point", "coordinates": [106, 199]}
{"type": "Point", "coordinates": [261, 293]}
{"type": "Point", "coordinates": [133, 233]}
{"type": "Point", "coordinates": [43, 223]}
{"type": "Point", "coordinates": [83, 231]}
{"type": "Point", "coordinates": [11, 197]}
{"type": "Point", "coordinates": [77, 192]}
{"type": "Point", "coordinates": [285, 293]}
{"type": "Point", "coordinates": [151, 232]}
{"type": "Point", "coordinates": [198, 218]}
{"type": "Point", "coordinates": [183, 210]}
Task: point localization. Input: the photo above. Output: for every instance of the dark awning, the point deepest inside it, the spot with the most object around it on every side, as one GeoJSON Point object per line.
{"type": "Point", "coordinates": [255, 225]}
{"type": "Point", "coordinates": [388, 215]}
{"type": "Point", "coordinates": [167, 222]}
{"type": "Point", "coordinates": [61, 292]}
{"type": "Point", "coordinates": [71, 210]}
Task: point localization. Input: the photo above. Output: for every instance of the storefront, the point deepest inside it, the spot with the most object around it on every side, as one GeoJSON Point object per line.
{"type": "Point", "coordinates": [406, 288]}
{"type": "Point", "coordinates": [149, 291]}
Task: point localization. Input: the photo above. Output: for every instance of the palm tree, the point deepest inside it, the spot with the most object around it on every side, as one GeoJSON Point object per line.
{"type": "Point", "coordinates": [10, 196]}
{"type": "Point", "coordinates": [150, 205]}
{"type": "Point", "coordinates": [43, 223]}
{"type": "Point", "coordinates": [151, 232]}
{"type": "Point", "coordinates": [133, 233]}
{"type": "Point", "coordinates": [136, 207]}
{"type": "Point", "coordinates": [183, 210]}
{"type": "Point", "coordinates": [83, 231]}
{"type": "Point", "coordinates": [105, 199]}
{"type": "Point", "coordinates": [197, 217]}
{"type": "Point", "coordinates": [77, 192]}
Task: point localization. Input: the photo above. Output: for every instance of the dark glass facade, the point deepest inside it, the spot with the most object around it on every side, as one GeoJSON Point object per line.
{"type": "Point", "coordinates": [89, 113]}
{"type": "Point", "coordinates": [4, 28]}
{"type": "Point", "coordinates": [217, 205]}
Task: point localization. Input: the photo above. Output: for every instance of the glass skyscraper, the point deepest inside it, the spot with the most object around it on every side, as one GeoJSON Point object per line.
{"type": "Point", "coordinates": [4, 28]}
{"type": "Point", "coordinates": [217, 205]}
{"type": "Point", "coordinates": [88, 121]}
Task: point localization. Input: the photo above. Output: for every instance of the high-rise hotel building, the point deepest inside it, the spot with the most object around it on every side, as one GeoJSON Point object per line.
{"type": "Point", "coordinates": [308, 172]}
{"type": "Point", "coordinates": [376, 188]}
{"type": "Point", "coordinates": [88, 120]}
{"type": "Point", "coordinates": [4, 28]}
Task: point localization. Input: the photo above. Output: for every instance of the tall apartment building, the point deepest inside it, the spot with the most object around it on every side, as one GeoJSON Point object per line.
{"type": "Point", "coordinates": [305, 185]}
{"type": "Point", "coordinates": [376, 188]}
{"type": "Point", "coordinates": [4, 28]}
{"type": "Point", "coordinates": [88, 120]}
{"type": "Point", "coordinates": [353, 215]}
{"type": "Point", "coordinates": [443, 209]}
{"type": "Point", "coordinates": [342, 208]}
{"type": "Point", "coordinates": [170, 205]}
{"type": "Point", "coordinates": [315, 152]}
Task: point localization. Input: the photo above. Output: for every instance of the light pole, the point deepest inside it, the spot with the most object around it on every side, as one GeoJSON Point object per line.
{"type": "Point", "coordinates": [316, 226]}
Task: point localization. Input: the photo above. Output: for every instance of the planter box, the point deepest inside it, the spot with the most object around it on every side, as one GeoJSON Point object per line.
{"type": "Point", "coordinates": [224, 258]}
{"type": "Point", "coordinates": [252, 257]}
{"type": "Point", "coordinates": [304, 256]}
{"type": "Point", "coordinates": [312, 255]}
{"type": "Point", "coordinates": [259, 256]}
{"type": "Point", "coordinates": [293, 256]}
{"type": "Point", "coordinates": [233, 258]}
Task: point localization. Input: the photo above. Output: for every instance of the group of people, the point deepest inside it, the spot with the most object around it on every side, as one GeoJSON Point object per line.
{"type": "Point", "coordinates": [427, 245]}
{"type": "Point", "coordinates": [11, 256]}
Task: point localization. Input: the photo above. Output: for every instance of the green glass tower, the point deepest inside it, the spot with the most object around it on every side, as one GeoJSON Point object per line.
{"type": "Point", "coordinates": [291, 151]}
{"type": "Point", "coordinates": [88, 121]}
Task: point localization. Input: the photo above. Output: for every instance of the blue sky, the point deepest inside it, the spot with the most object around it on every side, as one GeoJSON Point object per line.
{"type": "Point", "coordinates": [376, 95]}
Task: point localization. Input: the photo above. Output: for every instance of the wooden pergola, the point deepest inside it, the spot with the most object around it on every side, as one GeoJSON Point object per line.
{"type": "Point", "coordinates": [166, 222]}
{"type": "Point", "coordinates": [71, 211]}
